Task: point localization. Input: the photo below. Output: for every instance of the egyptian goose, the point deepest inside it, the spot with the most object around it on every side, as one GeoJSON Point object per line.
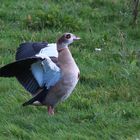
{"type": "Point", "coordinates": [47, 71]}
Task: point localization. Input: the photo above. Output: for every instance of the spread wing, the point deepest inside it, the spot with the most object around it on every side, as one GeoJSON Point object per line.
{"type": "Point", "coordinates": [21, 70]}
{"type": "Point", "coordinates": [17, 67]}
{"type": "Point", "coordinates": [30, 69]}
{"type": "Point", "coordinates": [29, 49]}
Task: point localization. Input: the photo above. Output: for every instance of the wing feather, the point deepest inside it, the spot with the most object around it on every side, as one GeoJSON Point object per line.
{"type": "Point", "coordinates": [25, 57]}
{"type": "Point", "coordinates": [29, 49]}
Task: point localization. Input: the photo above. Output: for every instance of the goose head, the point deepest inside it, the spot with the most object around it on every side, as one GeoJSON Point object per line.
{"type": "Point", "coordinates": [65, 40]}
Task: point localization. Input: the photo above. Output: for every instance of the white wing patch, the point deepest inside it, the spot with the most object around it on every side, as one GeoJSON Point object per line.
{"type": "Point", "coordinates": [50, 51]}
{"type": "Point", "coordinates": [46, 72]}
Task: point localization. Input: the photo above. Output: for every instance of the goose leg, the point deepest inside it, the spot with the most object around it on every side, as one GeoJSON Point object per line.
{"type": "Point", "coordinates": [50, 110]}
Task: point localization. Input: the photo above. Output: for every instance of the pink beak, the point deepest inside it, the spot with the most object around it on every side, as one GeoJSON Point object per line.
{"type": "Point", "coordinates": [76, 38]}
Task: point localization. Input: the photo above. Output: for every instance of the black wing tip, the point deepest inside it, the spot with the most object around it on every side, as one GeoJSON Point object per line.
{"type": "Point", "coordinates": [5, 73]}
{"type": "Point", "coordinates": [39, 97]}
{"type": "Point", "coordinates": [25, 104]}
{"type": "Point", "coordinates": [29, 102]}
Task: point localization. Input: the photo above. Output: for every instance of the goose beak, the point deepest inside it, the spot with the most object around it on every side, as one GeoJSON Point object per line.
{"type": "Point", "coordinates": [76, 38]}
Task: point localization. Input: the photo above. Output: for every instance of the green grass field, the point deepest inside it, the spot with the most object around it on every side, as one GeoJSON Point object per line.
{"type": "Point", "coordinates": [106, 102]}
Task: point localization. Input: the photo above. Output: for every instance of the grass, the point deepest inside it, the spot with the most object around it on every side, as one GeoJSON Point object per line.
{"type": "Point", "coordinates": [105, 104]}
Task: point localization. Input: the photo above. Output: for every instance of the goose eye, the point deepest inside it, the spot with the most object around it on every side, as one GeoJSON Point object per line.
{"type": "Point", "coordinates": [68, 36]}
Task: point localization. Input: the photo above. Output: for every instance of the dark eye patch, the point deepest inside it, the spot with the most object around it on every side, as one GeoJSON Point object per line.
{"type": "Point", "coordinates": [68, 36]}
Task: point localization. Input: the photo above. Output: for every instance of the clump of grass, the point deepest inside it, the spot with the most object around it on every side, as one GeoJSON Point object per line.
{"type": "Point", "coordinates": [52, 17]}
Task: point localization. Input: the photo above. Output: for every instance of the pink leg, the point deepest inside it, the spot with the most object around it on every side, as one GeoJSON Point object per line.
{"type": "Point", "coordinates": [50, 110]}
